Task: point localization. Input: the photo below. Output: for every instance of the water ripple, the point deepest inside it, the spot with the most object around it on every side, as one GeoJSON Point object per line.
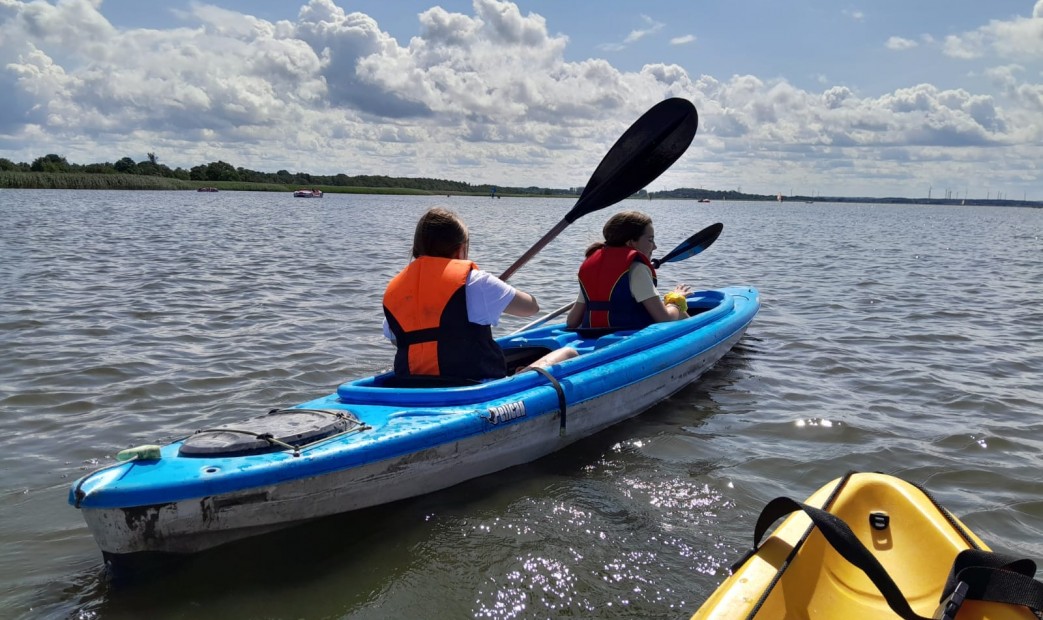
{"type": "Point", "coordinates": [897, 339]}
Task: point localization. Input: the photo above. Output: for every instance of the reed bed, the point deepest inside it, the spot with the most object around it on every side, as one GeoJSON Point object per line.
{"type": "Point", "coordinates": [72, 180]}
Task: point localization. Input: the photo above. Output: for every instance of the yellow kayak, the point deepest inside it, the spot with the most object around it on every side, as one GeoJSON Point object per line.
{"type": "Point", "coordinates": [877, 547]}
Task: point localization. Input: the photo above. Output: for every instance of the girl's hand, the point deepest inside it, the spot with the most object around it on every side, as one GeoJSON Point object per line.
{"type": "Point", "coordinates": [683, 289]}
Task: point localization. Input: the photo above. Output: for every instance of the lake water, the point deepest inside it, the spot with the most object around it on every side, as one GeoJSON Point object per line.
{"type": "Point", "coordinates": [901, 339]}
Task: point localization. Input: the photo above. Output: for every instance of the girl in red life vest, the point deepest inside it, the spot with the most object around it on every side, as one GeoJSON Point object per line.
{"type": "Point", "coordinates": [617, 281]}
{"type": "Point", "coordinates": [439, 310]}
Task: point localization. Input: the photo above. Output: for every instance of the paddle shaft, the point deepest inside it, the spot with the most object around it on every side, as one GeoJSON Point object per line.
{"type": "Point", "coordinates": [542, 243]}
{"type": "Point", "coordinates": [543, 319]}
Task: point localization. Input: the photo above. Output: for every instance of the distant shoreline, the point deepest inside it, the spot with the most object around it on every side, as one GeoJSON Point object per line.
{"type": "Point", "coordinates": [75, 181]}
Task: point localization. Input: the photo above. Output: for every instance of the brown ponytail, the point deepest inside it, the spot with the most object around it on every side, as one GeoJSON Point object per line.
{"type": "Point", "coordinates": [594, 247]}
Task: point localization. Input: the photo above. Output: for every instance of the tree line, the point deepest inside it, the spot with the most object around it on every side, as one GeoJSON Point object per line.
{"type": "Point", "coordinates": [55, 172]}
{"type": "Point", "coordinates": [220, 171]}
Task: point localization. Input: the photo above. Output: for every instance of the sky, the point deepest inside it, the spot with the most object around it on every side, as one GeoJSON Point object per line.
{"type": "Point", "coordinates": [806, 97]}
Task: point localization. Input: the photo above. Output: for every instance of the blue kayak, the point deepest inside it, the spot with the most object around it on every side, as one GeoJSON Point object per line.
{"type": "Point", "coordinates": [378, 440]}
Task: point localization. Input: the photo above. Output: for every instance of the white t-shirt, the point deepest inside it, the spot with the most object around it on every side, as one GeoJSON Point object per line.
{"type": "Point", "coordinates": [487, 298]}
{"type": "Point", "coordinates": [641, 285]}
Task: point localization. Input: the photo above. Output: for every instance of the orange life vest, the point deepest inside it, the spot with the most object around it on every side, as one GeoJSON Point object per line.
{"type": "Point", "coordinates": [426, 309]}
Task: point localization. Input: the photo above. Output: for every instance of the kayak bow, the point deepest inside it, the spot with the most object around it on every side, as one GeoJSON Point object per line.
{"type": "Point", "coordinates": [871, 546]}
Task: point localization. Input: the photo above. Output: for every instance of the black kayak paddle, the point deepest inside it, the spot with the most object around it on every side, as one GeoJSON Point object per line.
{"type": "Point", "coordinates": [692, 245]}
{"type": "Point", "coordinates": [644, 151]}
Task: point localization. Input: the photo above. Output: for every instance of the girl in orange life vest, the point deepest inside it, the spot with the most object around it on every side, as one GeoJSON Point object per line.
{"type": "Point", "coordinates": [439, 309]}
{"type": "Point", "coordinates": [617, 281]}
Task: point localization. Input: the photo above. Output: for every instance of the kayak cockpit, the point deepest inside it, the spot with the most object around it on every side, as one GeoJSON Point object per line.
{"type": "Point", "coordinates": [516, 358]}
{"type": "Point", "coordinates": [594, 348]}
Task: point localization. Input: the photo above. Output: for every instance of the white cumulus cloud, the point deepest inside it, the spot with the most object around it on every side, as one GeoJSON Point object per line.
{"type": "Point", "coordinates": [899, 43]}
{"type": "Point", "coordinates": [487, 95]}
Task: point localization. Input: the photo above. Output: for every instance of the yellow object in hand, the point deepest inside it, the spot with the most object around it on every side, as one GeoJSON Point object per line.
{"type": "Point", "coordinates": [677, 299]}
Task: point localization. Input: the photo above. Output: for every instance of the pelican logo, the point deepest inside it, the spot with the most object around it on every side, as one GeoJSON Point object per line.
{"type": "Point", "coordinates": [506, 413]}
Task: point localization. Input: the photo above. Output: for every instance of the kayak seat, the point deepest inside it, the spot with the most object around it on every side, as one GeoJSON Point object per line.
{"type": "Point", "coordinates": [423, 381]}
{"type": "Point", "coordinates": [604, 341]}
{"type": "Point", "coordinates": [593, 333]}
{"type": "Point", "coordinates": [603, 336]}
{"type": "Point", "coordinates": [519, 357]}
{"type": "Point", "coordinates": [516, 357]}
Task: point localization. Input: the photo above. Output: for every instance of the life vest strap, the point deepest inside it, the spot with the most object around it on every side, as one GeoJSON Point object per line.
{"type": "Point", "coordinates": [419, 336]}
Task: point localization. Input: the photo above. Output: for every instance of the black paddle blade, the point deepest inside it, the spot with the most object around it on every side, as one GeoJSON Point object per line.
{"type": "Point", "coordinates": [651, 145]}
{"type": "Point", "coordinates": [692, 245]}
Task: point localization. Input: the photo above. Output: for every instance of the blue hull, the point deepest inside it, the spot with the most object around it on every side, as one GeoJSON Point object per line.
{"type": "Point", "coordinates": [411, 440]}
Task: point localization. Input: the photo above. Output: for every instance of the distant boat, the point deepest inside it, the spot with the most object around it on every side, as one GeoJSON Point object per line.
{"type": "Point", "coordinates": [207, 189]}
{"type": "Point", "coordinates": [308, 193]}
{"type": "Point", "coordinates": [778, 197]}
{"type": "Point", "coordinates": [704, 200]}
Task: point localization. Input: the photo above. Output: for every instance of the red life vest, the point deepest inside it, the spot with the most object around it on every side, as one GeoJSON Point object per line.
{"type": "Point", "coordinates": [426, 309]}
{"type": "Point", "coordinates": [604, 280]}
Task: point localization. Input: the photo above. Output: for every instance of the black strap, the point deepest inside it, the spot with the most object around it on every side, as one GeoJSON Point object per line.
{"type": "Point", "coordinates": [559, 390]}
{"type": "Point", "coordinates": [995, 577]}
{"type": "Point", "coordinates": [976, 575]}
{"type": "Point", "coordinates": [418, 336]}
{"type": "Point", "coordinates": [844, 541]}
